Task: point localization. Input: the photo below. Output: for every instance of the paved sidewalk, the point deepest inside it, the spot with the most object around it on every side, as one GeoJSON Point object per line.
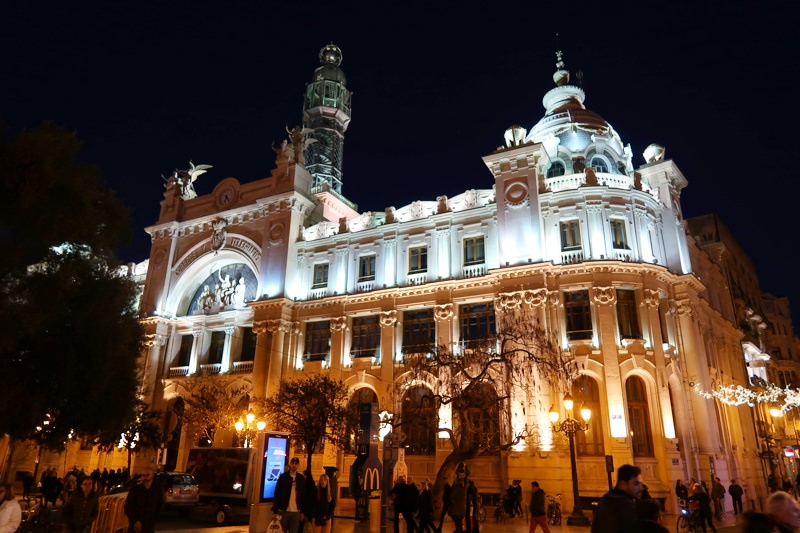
{"type": "Point", "coordinates": [515, 525]}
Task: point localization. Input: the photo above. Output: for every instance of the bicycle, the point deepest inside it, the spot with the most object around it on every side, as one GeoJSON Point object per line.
{"type": "Point", "coordinates": [688, 520]}
{"type": "Point", "coordinates": [554, 510]}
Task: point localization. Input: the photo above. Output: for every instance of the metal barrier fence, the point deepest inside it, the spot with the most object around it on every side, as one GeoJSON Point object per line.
{"type": "Point", "coordinates": [111, 518]}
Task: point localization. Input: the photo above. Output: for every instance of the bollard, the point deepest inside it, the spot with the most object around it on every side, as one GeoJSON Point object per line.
{"type": "Point", "coordinates": [375, 511]}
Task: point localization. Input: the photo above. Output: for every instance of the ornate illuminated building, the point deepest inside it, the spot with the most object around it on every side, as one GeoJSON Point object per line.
{"type": "Point", "coordinates": [261, 280]}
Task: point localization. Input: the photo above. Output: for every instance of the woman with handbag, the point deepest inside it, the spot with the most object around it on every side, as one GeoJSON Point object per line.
{"type": "Point", "coordinates": [323, 504]}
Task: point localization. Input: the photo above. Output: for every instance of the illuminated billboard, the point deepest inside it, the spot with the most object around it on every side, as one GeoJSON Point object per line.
{"type": "Point", "coordinates": [275, 459]}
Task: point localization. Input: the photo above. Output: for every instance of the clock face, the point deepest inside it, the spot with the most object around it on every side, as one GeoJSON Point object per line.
{"type": "Point", "coordinates": [225, 197]}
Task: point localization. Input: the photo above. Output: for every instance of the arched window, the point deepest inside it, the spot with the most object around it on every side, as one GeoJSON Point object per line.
{"type": "Point", "coordinates": [590, 442]}
{"type": "Point", "coordinates": [639, 417]}
{"type": "Point", "coordinates": [419, 421]}
{"type": "Point", "coordinates": [479, 411]}
{"type": "Point", "coordinates": [362, 395]}
{"type": "Point", "coordinates": [599, 164]}
{"type": "Point", "coordinates": [556, 169]}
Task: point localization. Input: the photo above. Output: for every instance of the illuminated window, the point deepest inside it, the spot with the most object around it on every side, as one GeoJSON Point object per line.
{"type": "Point", "coordinates": [366, 336]}
{"type": "Point", "coordinates": [589, 442]}
{"type": "Point", "coordinates": [639, 417]}
{"type": "Point", "coordinates": [419, 421]}
{"type": "Point", "coordinates": [599, 164]}
{"type": "Point", "coordinates": [619, 238]}
{"type": "Point", "coordinates": [419, 331]}
{"type": "Point", "coordinates": [320, 276]}
{"type": "Point", "coordinates": [579, 315]}
{"type": "Point", "coordinates": [570, 235]}
{"type": "Point", "coordinates": [473, 250]}
{"type": "Point", "coordinates": [628, 315]}
{"type": "Point", "coordinates": [366, 268]}
{"type": "Point", "coordinates": [418, 259]}
{"type": "Point", "coordinates": [477, 322]}
{"type": "Point", "coordinates": [318, 340]}
{"type": "Point", "coordinates": [556, 169]}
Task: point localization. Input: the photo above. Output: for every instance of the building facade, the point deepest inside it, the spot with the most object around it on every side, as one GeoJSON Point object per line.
{"type": "Point", "coordinates": [260, 281]}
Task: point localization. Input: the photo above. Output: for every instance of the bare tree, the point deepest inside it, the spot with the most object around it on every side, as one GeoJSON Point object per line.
{"type": "Point", "coordinates": [312, 409]}
{"type": "Point", "coordinates": [484, 382]}
{"type": "Point", "coordinates": [212, 402]}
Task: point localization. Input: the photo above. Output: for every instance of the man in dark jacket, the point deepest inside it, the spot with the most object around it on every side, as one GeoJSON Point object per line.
{"type": "Point", "coordinates": [736, 492]}
{"type": "Point", "coordinates": [81, 509]}
{"type": "Point", "coordinates": [616, 511]}
{"type": "Point", "coordinates": [538, 509]}
{"type": "Point", "coordinates": [291, 498]}
{"type": "Point", "coordinates": [404, 502]}
{"type": "Point", "coordinates": [143, 503]}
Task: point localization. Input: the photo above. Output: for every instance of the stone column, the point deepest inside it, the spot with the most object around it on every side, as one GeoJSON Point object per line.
{"type": "Point", "coordinates": [226, 350]}
{"type": "Point", "coordinates": [197, 346]}
{"type": "Point", "coordinates": [261, 359]}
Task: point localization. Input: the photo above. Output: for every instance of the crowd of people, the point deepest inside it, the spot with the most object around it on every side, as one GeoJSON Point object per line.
{"type": "Point", "coordinates": [55, 489]}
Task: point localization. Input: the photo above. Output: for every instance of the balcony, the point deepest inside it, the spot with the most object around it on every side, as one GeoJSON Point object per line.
{"type": "Point", "coordinates": [242, 367]}
{"type": "Point", "coordinates": [213, 368]}
{"type": "Point", "coordinates": [178, 372]}
{"type": "Point", "coordinates": [318, 292]}
{"type": "Point", "coordinates": [365, 286]}
{"type": "Point", "coordinates": [473, 271]}
{"type": "Point", "coordinates": [417, 278]}
{"type": "Point", "coordinates": [571, 257]}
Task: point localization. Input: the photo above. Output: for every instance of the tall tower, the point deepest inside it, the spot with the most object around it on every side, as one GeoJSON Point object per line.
{"type": "Point", "coordinates": [326, 111]}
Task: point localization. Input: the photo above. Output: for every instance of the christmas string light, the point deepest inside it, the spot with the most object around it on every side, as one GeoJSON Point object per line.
{"type": "Point", "coordinates": [785, 399]}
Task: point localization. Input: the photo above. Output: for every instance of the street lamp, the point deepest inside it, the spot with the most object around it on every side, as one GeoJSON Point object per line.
{"type": "Point", "coordinates": [248, 428]}
{"type": "Point", "coordinates": [570, 426]}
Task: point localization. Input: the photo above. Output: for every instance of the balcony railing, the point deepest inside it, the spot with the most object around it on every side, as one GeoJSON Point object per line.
{"type": "Point", "coordinates": [365, 286]}
{"type": "Point", "coordinates": [178, 372]}
{"type": "Point", "coordinates": [417, 278]}
{"type": "Point", "coordinates": [213, 368]}
{"type": "Point", "coordinates": [242, 367]}
{"type": "Point", "coordinates": [568, 258]}
{"type": "Point", "coordinates": [473, 271]}
{"type": "Point", "coordinates": [319, 292]}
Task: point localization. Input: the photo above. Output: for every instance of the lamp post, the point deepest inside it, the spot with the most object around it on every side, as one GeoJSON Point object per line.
{"type": "Point", "coordinates": [248, 428]}
{"type": "Point", "coordinates": [570, 426]}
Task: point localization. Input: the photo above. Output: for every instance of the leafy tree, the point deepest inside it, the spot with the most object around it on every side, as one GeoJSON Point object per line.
{"type": "Point", "coordinates": [70, 337]}
{"type": "Point", "coordinates": [212, 402]}
{"type": "Point", "coordinates": [483, 383]}
{"type": "Point", "coordinates": [312, 409]}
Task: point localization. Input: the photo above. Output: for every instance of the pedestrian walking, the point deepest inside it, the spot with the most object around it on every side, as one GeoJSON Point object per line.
{"type": "Point", "coordinates": [616, 510]}
{"type": "Point", "coordinates": [538, 509]}
{"type": "Point", "coordinates": [700, 503]}
{"type": "Point", "coordinates": [81, 509]}
{"type": "Point", "coordinates": [290, 503]}
{"type": "Point", "coordinates": [736, 492]}
{"type": "Point", "coordinates": [144, 503]}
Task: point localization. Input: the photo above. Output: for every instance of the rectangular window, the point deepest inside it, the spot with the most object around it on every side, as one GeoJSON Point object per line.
{"type": "Point", "coordinates": [248, 345]}
{"type": "Point", "coordinates": [217, 347]}
{"type": "Point", "coordinates": [570, 235]}
{"type": "Point", "coordinates": [318, 340]}
{"type": "Point", "coordinates": [473, 250]}
{"type": "Point", "coordinates": [477, 322]}
{"type": "Point", "coordinates": [366, 336]}
{"type": "Point", "coordinates": [185, 351]}
{"type": "Point", "coordinates": [366, 268]}
{"type": "Point", "coordinates": [628, 315]}
{"type": "Point", "coordinates": [579, 315]}
{"type": "Point", "coordinates": [419, 330]}
{"type": "Point", "coordinates": [320, 276]}
{"type": "Point", "coordinates": [619, 238]}
{"type": "Point", "coordinates": [663, 309]}
{"type": "Point", "coordinates": [418, 259]}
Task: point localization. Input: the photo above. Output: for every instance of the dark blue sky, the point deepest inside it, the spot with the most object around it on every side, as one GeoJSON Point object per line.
{"type": "Point", "coordinates": [149, 85]}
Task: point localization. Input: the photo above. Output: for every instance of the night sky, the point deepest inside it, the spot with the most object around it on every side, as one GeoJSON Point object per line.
{"type": "Point", "coordinates": [149, 85]}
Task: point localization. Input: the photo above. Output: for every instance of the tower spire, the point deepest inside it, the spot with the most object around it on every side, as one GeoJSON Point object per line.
{"type": "Point", "coordinates": [326, 112]}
